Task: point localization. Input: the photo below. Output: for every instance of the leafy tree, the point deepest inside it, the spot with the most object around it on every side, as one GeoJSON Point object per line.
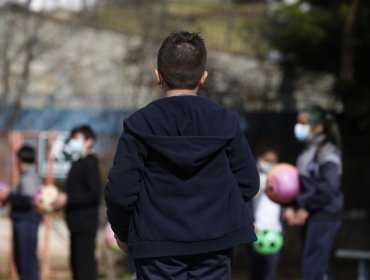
{"type": "Point", "coordinates": [333, 35]}
{"type": "Point", "coordinates": [329, 36]}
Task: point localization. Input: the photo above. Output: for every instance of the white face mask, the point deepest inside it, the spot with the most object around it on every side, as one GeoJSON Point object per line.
{"type": "Point", "coordinates": [264, 166]}
{"type": "Point", "coordinates": [75, 148]}
{"type": "Point", "coordinates": [302, 132]}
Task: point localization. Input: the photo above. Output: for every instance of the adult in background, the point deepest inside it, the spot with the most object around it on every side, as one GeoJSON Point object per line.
{"type": "Point", "coordinates": [320, 202]}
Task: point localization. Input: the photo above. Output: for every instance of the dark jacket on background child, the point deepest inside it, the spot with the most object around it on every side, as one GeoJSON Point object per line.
{"type": "Point", "coordinates": [83, 187]}
{"type": "Point", "coordinates": [181, 179]}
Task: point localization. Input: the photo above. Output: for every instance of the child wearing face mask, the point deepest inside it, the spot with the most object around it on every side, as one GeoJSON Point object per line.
{"type": "Point", "coordinates": [81, 202]}
{"type": "Point", "coordinates": [267, 215]}
{"type": "Point", "coordinates": [320, 202]}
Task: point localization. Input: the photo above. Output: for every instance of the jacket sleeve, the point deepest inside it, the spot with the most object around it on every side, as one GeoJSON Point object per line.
{"type": "Point", "coordinates": [317, 192]}
{"type": "Point", "coordinates": [243, 165]}
{"type": "Point", "coordinates": [92, 186]}
{"type": "Point", "coordinates": [122, 189]}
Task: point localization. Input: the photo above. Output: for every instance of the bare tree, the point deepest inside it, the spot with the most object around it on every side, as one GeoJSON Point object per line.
{"type": "Point", "coordinates": [21, 45]}
{"type": "Point", "coordinates": [140, 55]}
{"type": "Point", "coordinates": [25, 39]}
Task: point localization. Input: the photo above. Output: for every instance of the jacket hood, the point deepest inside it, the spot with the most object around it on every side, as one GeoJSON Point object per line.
{"type": "Point", "coordinates": [188, 131]}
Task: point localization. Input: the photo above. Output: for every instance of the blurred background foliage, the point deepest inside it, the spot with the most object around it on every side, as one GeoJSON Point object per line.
{"type": "Point", "coordinates": [315, 35]}
{"type": "Point", "coordinates": [330, 36]}
{"type": "Point", "coordinates": [325, 35]}
{"type": "Point", "coordinates": [221, 24]}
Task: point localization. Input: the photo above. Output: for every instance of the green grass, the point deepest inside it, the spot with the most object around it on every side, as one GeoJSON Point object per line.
{"type": "Point", "coordinates": [224, 26]}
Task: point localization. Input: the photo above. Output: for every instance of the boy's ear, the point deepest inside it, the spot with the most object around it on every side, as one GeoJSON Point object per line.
{"type": "Point", "coordinates": [158, 76]}
{"type": "Point", "coordinates": [203, 79]}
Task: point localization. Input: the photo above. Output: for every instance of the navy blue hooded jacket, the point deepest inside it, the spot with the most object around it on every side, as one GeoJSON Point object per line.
{"type": "Point", "coordinates": [181, 179]}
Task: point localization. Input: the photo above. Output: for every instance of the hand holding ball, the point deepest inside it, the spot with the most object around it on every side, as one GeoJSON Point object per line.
{"type": "Point", "coordinates": [45, 198]}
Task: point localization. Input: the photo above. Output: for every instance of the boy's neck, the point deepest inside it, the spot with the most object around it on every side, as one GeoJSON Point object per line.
{"type": "Point", "coordinates": [177, 92]}
{"type": "Point", "coordinates": [25, 166]}
{"type": "Point", "coordinates": [86, 153]}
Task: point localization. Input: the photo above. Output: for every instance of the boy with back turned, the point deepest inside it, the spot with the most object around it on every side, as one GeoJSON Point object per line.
{"type": "Point", "coordinates": [179, 189]}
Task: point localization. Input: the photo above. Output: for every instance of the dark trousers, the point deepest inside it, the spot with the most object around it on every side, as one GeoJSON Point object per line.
{"type": "Point", "coordinates": [263, 266]}
{"type": "Point", "coordinates": [83, 262]}
{"type": "Point", "coordinates": [210, 266]}
{"type": "Point", "coordinates": [318, 239]}
{"type": "Point", "coordinates": [25, 249]}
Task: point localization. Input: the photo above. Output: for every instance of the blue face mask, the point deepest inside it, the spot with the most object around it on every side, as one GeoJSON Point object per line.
{"type": "Point", "coordinates": [302, 132]}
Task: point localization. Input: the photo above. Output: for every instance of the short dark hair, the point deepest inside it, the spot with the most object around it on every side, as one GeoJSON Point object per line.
{"type": "Point", "coordinates": [266, 148]}
{"type": "Point", "coordinates": [27, 154]}
{"type": "Point", "coordinates": [182, 60]}
{"type": "Point", "coordinates": [85, 130]}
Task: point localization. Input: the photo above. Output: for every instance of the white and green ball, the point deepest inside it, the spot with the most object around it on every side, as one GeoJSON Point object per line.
{"type": "Point", "coordinates": [268, 242]}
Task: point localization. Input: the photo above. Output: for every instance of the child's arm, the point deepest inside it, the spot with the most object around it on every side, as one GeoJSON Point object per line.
{"type": "Point", "coordinates": [122, 188]}
{"type": "Point", "coordinates": [243, 165]}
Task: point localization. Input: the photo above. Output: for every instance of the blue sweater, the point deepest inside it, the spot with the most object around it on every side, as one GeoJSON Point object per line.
{"type": "Point", "coordinates": [181, 179]}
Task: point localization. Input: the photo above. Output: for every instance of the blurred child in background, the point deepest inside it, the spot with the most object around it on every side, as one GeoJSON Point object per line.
{"type": "Point", "coordinates": [320, 201]}
{"type": "Point", "coordinates": [25, 219]}
{"type": "Point", "coordinates": [267, 215]}
{"type": "Point", "coordinates": [81, 201]}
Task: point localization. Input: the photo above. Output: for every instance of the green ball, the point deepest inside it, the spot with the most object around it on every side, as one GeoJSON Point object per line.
{"type": "Point", "coordinates": [268, 242]}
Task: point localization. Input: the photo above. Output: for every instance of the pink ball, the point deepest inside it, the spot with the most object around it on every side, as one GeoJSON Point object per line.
{"type": "Point", "coordinates": [282, 183]}
{"type": "Point", "coordinates": [3, 187]}
{"type": "Point", "coordinates": [109, 239]}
